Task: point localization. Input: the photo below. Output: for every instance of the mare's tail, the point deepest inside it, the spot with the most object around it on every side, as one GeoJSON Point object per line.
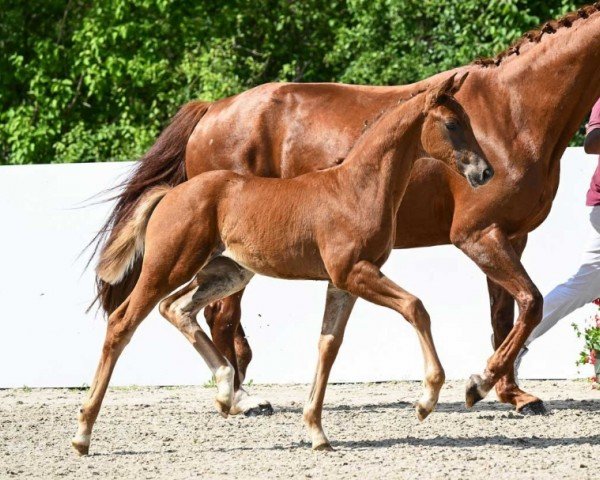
{"type": "Point", "coordinates": [121, 239]}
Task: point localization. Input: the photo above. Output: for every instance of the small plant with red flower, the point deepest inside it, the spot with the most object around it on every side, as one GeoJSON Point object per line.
{"type": "Point", "coordinates": [591, 350]}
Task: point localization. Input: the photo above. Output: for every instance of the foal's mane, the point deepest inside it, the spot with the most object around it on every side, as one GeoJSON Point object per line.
{"type": "Point", "coordinates": [535, 36]}
{"type": "Point", "coordinates": [368, 125]}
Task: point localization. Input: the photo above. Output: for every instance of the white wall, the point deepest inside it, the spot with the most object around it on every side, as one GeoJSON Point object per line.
{"type": "Point", "coordinates": [46, 339]}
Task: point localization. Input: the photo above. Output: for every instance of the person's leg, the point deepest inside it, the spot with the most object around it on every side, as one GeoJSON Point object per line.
{"type": "Point", "coordinates": [577, 291]}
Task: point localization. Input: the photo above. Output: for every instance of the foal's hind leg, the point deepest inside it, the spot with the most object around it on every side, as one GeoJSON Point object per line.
{"type": "Point", "coordinates": [220, 278]}
{"type": "Point", "coordinates": [366, 281]}
{"type": "Point", "coordinates": [338, 307]}
{"type": "Point", "coordinates": [120, 328]}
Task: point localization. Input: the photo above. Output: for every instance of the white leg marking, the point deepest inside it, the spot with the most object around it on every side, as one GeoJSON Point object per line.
{"type": "Point", "coordinates": [224, 380]}
{"type": "Point", "coordinates": [82, 438]}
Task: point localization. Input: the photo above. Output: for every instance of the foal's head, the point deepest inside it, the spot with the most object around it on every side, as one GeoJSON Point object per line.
{"type": "Point", "coordinates": [447, 133]}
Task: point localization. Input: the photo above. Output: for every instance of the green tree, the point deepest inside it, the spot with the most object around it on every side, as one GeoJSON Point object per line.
{"type": "Point", "coordinates": [91, 80]}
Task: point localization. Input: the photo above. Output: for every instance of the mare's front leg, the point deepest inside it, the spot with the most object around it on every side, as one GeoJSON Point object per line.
{"type": "Point", "coordinates": [223, 318]}
{"type": "Point", "coordinates": [494, 254]}
{"type": "Point", "coordinates": [366, 281]}
{"type": "Point", "coordinates": [338, 307]}
{"type": "Point", "coordinates": [502, 306]}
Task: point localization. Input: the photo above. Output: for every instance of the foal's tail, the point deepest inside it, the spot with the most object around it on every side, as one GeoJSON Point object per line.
{"type": "Point", "coordinates": [127, 245]}
{"type": "Point", "coordinates": [120, 240]}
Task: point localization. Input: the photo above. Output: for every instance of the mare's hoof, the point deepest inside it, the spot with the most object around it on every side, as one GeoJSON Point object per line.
{"type": "Point", "coordinates": [472, 394]}
{"type": "Point", "coordinates": [261, 411]}
{"type": "Point", "coordinates": [533, 408]}
{"type": "Point", "coordinates": [80, 448]}
{"type": "Point", "coordinates": [323, 447]}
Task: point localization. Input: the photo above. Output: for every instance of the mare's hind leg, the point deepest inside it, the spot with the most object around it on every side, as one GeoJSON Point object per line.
{"type": "Point", "coordinates": [338, 307]}
{"type": "Point", "coordinates": [220, 278]}
{"type": "Point", "coordinates": [366, 281]}
{"type": "Point", "coordinates": [223, 318]}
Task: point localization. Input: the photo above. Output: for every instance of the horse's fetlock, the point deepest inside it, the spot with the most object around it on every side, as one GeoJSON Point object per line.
{"type": "Point", "coordinates": [309, 416]}
{"type": "Point", "coordinates": [436, 378]}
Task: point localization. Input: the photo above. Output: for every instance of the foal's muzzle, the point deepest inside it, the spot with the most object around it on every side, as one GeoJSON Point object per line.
{"type": "Point", "coordinates": [478, 172]}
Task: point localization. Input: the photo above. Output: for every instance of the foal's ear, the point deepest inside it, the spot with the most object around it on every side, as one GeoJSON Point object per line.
{"type": "Point", "coordinates": [437, 92]}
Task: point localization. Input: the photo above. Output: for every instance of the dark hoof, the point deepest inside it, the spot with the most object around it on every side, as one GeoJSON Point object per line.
{"type": "Point", "coordinates": [80, 448]}
{"type": "Point", "coordinates": [422, 413]}
{"type": "Point", "coordinates": [260, 411]}
{"type": "Point", "coordinates": [472, 395]}
{"type": "Point", "coordinates": [533, 408]}
{"type": "Point", "coordinates": [222, 408]}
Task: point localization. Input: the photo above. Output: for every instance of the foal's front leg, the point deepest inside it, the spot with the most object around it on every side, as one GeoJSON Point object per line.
{"type": "Point", "coordinates": [366, 281]}
{"type": "Point", "coordinates": [338, 307]}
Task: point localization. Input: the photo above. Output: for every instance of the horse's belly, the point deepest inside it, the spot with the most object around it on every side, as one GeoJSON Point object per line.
{"type": "Point", "coordinates": [279, 263]}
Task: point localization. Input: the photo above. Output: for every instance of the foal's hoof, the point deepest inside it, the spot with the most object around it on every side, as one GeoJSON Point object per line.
{"type": "Point", "coordinates": [222, 408]}
{"type": "Point", "coordinates": [473, 393]}
{"type": "Point", "coordinates": [81, 448]}
{"type": "Point", "coordinates": [422, 412]}
{"type": "Point", "coordinates": [262, 410]}
{"type": "Point", "coordinates": [533, 408]}
{"type": "Point", "coordinates": [323, 447]}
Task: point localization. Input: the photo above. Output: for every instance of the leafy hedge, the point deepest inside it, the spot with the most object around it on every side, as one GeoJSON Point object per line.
{"type": "Point", "coordinates": [86, 81]}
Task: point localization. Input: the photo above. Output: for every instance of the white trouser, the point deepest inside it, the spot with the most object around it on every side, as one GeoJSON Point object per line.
{"type": "Point", "coordinates": [580, 289]}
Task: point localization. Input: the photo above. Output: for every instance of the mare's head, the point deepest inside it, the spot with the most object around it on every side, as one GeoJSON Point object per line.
{"type": "Point", "coordinates": [447, 133]}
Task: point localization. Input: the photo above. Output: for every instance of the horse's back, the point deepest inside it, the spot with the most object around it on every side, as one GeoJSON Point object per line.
{"type": "Point", "coordinates": [285, 129]}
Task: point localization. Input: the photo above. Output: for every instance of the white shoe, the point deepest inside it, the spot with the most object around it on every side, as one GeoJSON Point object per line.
{"type": "Point", "coordinates": [518, 360]}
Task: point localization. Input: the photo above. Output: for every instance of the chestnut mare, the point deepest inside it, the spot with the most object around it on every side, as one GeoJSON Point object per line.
{"type": "Point", "coordinates": [524, 105]}
{"type": "Point", "coordinates": [337, 225]}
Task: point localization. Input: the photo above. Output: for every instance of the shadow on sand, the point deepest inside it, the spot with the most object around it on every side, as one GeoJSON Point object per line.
{"type": "Point", "coordinates": [458, 407]}
{"type": "Point", "coordinates": [468, 442]}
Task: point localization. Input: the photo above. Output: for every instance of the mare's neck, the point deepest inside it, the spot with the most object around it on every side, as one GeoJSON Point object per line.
{"type": "Point", "coordinates": [550, 87]}
{"type": "Point", "coordinates": [379, 165]}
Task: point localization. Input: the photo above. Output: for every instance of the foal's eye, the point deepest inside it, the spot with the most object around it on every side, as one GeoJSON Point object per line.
{"type": "Point", "coordinates": [452, 125]}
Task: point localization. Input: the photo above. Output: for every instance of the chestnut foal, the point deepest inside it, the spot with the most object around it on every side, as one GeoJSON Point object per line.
{"type": "Point", "coordinates": [336, 225]}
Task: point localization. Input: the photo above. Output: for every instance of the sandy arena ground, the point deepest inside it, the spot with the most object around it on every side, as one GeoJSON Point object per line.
{"type": "Point", "coordinates": [174, 433]}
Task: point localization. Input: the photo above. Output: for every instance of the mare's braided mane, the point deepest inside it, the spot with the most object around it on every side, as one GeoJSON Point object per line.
{"type": "Point", "coordinates": [534, 36]}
